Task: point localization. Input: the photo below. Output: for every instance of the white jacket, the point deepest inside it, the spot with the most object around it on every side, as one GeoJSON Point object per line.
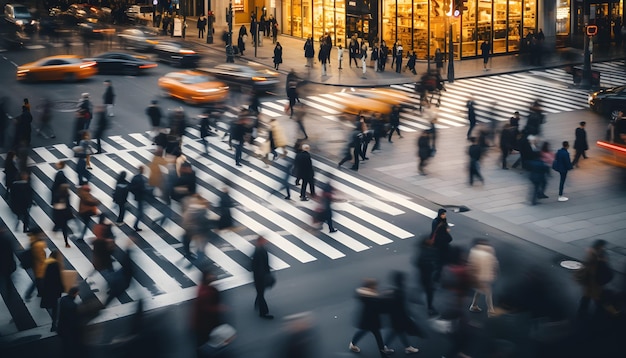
{"type": "Point", "coordinates": [483, 263]}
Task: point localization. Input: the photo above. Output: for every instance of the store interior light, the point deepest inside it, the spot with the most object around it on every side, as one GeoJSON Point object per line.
{"type": "Point", "coordinates": [457, 13]}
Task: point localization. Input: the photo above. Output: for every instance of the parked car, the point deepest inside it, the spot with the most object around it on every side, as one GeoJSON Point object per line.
{"type": "Point", "coordinates": [193, 87]}
{"type": "Point", "coordinates": [19, 16]}
{"type": "Point", "coordinates": [140, 14]}
{"type": "Point", "coordinates": [67, 68]}
{"type": "Point", "coordinates": [608, 101]}
{"type": "Point", "coordinates": [141, 39]}
{"type": "Point", "coordinates": [97, 30]}
{"type": "Point", "coordinates": [256, 77]}
{"type": "Point", "coordinates": [176, 54]}
{"type": "Point", "coordinates": [121, 63]}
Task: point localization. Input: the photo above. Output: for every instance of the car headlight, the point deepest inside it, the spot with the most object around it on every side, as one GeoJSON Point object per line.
{"type": "Point", "coordinates": [22, 71]}
{"type": "Point", "coordinates": [208, 90]}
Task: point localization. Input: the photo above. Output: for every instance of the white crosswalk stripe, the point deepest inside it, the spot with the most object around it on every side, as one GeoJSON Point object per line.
{"type": "Point", "coordinates": [365, 218]}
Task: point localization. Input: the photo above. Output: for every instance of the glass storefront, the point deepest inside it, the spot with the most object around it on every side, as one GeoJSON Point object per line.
{"type": "Point", "coordinates": [420, 25]}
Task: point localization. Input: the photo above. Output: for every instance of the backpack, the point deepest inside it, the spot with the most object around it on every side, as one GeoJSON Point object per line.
{"type": "Point", "coordinates": [26, 258]}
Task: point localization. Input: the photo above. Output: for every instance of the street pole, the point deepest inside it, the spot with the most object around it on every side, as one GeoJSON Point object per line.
{"type": "Point", "coordinates": [451, 57]}
{"type": "Point", "coordinates": [256, 30]}
{"type": "Point", "coordinates": [586, 80]}
{"type": "Point", "coordinates": [229, 38]}
{"type": "Point", "coordinates": [427, 41]}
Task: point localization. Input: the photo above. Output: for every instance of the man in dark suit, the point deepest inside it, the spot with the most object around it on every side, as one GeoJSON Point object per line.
{"type": "Point", "coordinates": [304, 167]}
{"type": "Point", "coordinates": [262, 276]}
{"type": "Point", "coordinates": [68, 326]}
{"type": "Point", "coordinates": [59, 179]}
{"type": "Point", "coordinates": [580, 143]}
{"type": "Point", "coordinates": [139, 187]}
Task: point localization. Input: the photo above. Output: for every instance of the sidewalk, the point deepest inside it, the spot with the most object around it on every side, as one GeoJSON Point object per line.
{"type": "Point", "coordinates": [293, 58]}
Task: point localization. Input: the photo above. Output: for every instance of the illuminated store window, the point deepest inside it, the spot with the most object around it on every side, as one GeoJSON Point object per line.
{"type": "Point", "coordinates": [420, 27]}
{"type": "Point", "coordinates": [389, 21]}
{"type": "Point", "coordinates": [405, 22]}
{"type": "Point", "coordinates": [296, 26]}
{"type": "Point", "coordinates": [287, 18]}
{"type": "Point", "coordinates": [318, 19]}
{"type": "Point", "coordinates": [515, 23]}
{"type": "Point", "coordinates": [469, 35]}
{"type": "Point", "coordinates": [438, 28]}
{"type": "Point", "coordinates": [500, 29]}
{"type": "Point", "coordinates": [340, 22]}
{"type": "Point", "coordinates": [530, 16]}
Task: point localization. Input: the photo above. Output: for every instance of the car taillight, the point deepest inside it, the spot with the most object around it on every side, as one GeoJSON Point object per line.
{"type": "Point", "coordinates": [259, 78]}
{"type": "Point", "coordinates": [152, 42]}
{"type": "Point", "coordinates": [187, 52]}
{"type": "Point", "coordinates": [612, 147]}
{"type": "Point", "coordinates": [151, 65]}
{"type": "Point", "coordinates": [87, 64]}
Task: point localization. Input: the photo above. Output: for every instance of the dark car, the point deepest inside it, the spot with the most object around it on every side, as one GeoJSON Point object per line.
{"type": "Point", "coordinates": [19, 15]}
{"type": "Point", "coordinates": [141, 39]}
{"type": "Point", "coordinates": [120, 63]}
{"type": "Point", "coordinates": [176, 54]}
{"type": "Point", "coordinates": [608, 101]}
{"type": "Point", "coordinates": [243, 76]}
{"type": "Point", "coordinates": [13, 39]}
{"type": "Point", "coordinates": [95, 30]}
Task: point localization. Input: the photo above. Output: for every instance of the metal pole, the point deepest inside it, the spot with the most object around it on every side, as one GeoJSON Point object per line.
{"type": "Point", "coordinates": [229, 39]}
{"type": "Point", "coordinates": [451, 58]}
{"type": "Point", "coordinates": [428, 39]}
{"type": "Point", "coordinates": [256, 30]}
{"type": "Point", "coordinates": [586, 80]}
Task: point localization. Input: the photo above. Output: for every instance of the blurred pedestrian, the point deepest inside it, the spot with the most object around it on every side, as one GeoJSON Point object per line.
{"type": "Point", "coordinates": [82, 151]}
{"type": "Point", "coordinates": [278, 55]}
{"type": "Point", "coordinates": [410, 64]}
{"type": "Point", "coordinates": [224, 210]}
{"type": "Point", "coordinates": [340, 56]}
{"type": "Point", "coordinates": [439, 60]}
{"type": "Point", "coordinates": [471, 116]}
{"type": "Point", "coordinates": [562, 165]}
{"type": "Point", "coordinates": [62, 211]}
{"type": "Point", "coordinates": [139, 187]}
{"type": "Point", "coordinates": [185, 185]}
{"type": "Point", "coordinates": [325, 212]}
{"type": "Point", "coordinates": [299, 114]}
{"type": "Point", "coordinates": [535, 119]}
{"type": "Point", "coordinates": [69, 327]}
{"type": "Point", "coordinates": [309, 52]}
{"type": "Point", "coordinates": [87, 207]}
{"type": "Point", "coordinates": [120, 196]}
{"type": "Point", "coordinates": [7, 262]}
{"type": "Point", "coordinates": [45, 129]}
{"type": "Point", "coordinates": [4, 119]}
{"type": "Point", "coordinates": [10, 173]}
{"type": "Point", "coordinates": [424, 151]}
{"type": "Point", "coordinates": [304, 167]}
{"type": "Point", "coordinates": [394, 122]}
{"type": "Point", "coordinates": [507, 143]}
{"type": "Point", "coordinates": [103, 245]}
{"type": "Point", "coordinates": [353, 149]}
{"type": "Point", "coordinates": [263, 278]}
{"type": "Point", "coordinates": [441, 239]}
{"type": "Point", "coordinates": [401, 321]}
{"type": "Point", "coordinates": [483, 267]}
{"type": "Point", "coordinates": [52, 285]}
{"type": "Point", "coordinates": [59, 179]}
{"type": "Point", "coordinates": [201, 25]}
{"type": "Point", "coordinates": [323, 55]}
{"type": "Point", "coordinates": [354, 51]}
{"type": "Point", "coordinates": [154, 113]}
{"type": "Point", "coordinates": [593, 276]}
{"type": "Point", "coordinates": [108, 98]}
{"type": "Point", "coordinates": [36, 254]}
{"type": "Point", "coordinates": [485, 50]}
{"type": "Point", "coordinates": [580, 143]}
{"type": "Point", "coordinates": [514, 120]}
{"type": "Point", "coordinates": [207, 309]}
{"type": "Point", "coordinates": [23, 126]}
{"type": "Point", "coordinates": [238, 133]}
{"type": "Point", "coordinates": [21, 199]}
{"type": "Point", "coordinates": [102, 124]}
{"type": "Point", "coordinates": [399, 54]}
{"type": "Point", "coordinates": [363, 53]}
{"type": "Point", "coordinates": [475, 153]}
{"type": "Point", "coordinates": [368, 318]}
{"type": "Point", "coordinates": [196, 224]}
{"type": "Point", "coordinates": [428, 264]}
{"type": "Point", "coordinates": [277, 138]}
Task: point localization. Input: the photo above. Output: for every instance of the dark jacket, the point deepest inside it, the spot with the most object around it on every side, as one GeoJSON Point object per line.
{"type": "Point", "coordinates": [185, 185]}
{"type": "Point", "coordinates": [69, 319]}
{"type": "Point", "coordinates": [226, 202]}
{"type": "Point", "coordinates": [260, 264]}
{"type": "Point", "coordinates": [21, 196]}
{"type": "Point", "coordinates": [278, 54]}
{"type": "Point", "coordinates": [439, 229]}
{"type": "Point", "coordinates": [10, 173]}
{"type": "Point", "coordinates": [59, 179]}
{"type": "Point", "coordinates": [101, 125]}
{"type": "Point", "coordinates": [109, 95]}
{"type": "Point", "coordinates": [368, 316]}
{"type": "Point", "coordinates": [7, 262]}
{"type": "Point", "coordinates": [304, 165]}
{"type": "Point", "coordinates": [580, 143]}
{"type": "Point", "coordinates": [423, 147]}
{"type": "Point", "coordinates": [120, 192]}
{"type": "Point", "coordinates": [562, 162]}
{"type": "Point", "coordinates": [309, 50]}
{"type": "Point", "coordinates": [154, 112]}
{"type": "Point", "coordinates": [52, 285]}
{"type": "Point", "coordinates": [475, 151]}
{"type": "Point", "coordinates": [139, 187]}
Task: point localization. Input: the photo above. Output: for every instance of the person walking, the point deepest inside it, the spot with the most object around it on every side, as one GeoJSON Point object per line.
{"type": "Point", "coordinates": [11, 173]}
{"type": "Point", "coordinates": [401, 322]}
{"type": "Point", "coordinates": [580, 143]}
{"type": "Point", "coordinates": [483, 267]}
{"type": "Point", "coordinates": [52, 286]}
{"type": "Point", "coordinates": [23, 127]}
{"type": "Point", "coordinates": [353, 149]}
{"type": "Point", "coordinates": [21, 199]}
{"type": "Point", "coordinates": [304, 168]}
{"type": "Point", "coordinates": [475, 152]}
{"type": "Point", "coordinates": [364, 59]}
{"type": "Point", "coordinates": [485, 50]}
{"type": "Point", "coordinates": [562, 165]}
{"type": "Point", "coordinates": [263, 278]}
{"type": "Point", "coordinates": [45, 129]}
{"type": "Point", "coordinates": [59, 179]}
{"type": "Point", "coordinates": [224, 211]}
{"type": "Point", "coordinates": [439, 60]}
{"type": "Point", "coordinates": [441, 239]}
{"type": "Point", "coordinates": [202, 22]}
{"type": "Point", "coordinates": [507, 143]}
{"type": "Point", "coordinates": [102, 124]}
{"type": "Point", "coordinates": [109, 98]}
{"type": "Point", "coordinates": [83, 152]}
{"type": "Point", "coordinates": [7, 262]}
{"type": "Point", "coordinates": [340, 56]}
{"type": "Point", "coordinates": [153, 111]}
{"type": "Point", "coordinates": [238, 133]}
{"type": "Point", "coordinates": [87, 207]}
{"type": "Point", "coordinates": [535, 119]}
{"type": "Point", "coordinates": [325, 211]}
{"type": "Point", "coordinates": [208, 309]}
{"type": "Point", "coordinates": [412, 60]}
{"type": "Point", "coordinates": [120, 196]}
{"type": "Point", "coordinates": [368, 318]}
{"type": "Point", "coordinates": [394, 122]}
{"type": "Point", "coordinates": [354, 51]}
{"type": "Point", "coordinates": [428, 264]}
{"type": "Point", "coordinates": [424, 151]}
{"type": "Point", "coordinates": [68, 326]}
{"type": "Point", "coordinates": [139, 187]}
{"type": "Point", "coordinates": [278, 55]}
{"type": "Point", "coordinates": [241, 44]}
{"type": "Point", "coordinates": [594, 275]}
{"type": "Point", "coordinates": [37, 258]}
{"type": "Point", "coordinates": [62, 211]}
{"type": "Point", "coordinates": [399, 54]}
{"type": "Point", "coordinates": [309, 52]}
{"type": "Point", "coordinates": [471, 116]}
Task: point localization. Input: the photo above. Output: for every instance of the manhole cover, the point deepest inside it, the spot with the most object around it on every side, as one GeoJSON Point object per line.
{"type": "Point", "coordinates": [571, 265]}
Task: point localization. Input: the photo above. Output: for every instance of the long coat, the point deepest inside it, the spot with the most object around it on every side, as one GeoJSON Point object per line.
{"type": "Point", "coordinates": [278, 135]}
{"type": "Point", "coordinates": [304, 165]}
{"type": "Point", "coordinates": [580, 143]}
{"type": "Point", "coordinates": [260, 265]}
{"type": "Point", "coordinates": [21, 197]}
{"type": "Point", "coordinates": [52, 285]}
{"type": "Point", "coordinates": [278, 54]}
{"type": "Point", "coordinates": [38, 250]}
{"type": "Point", "coordinates": [59, 179]}
{"type": "Point", "coordinates": [368, 316]}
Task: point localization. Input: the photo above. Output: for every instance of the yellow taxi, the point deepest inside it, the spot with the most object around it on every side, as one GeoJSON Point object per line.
{"type": "Point", "coordinates": [67, 68]}
{"type": "Point", "coordinates": [193, 87]}
{"type": "Point", "coordinates": [372, 100]}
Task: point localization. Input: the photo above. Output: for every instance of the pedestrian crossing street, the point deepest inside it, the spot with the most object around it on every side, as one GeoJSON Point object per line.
{"type": "Point", "coordinates": [366, 215]}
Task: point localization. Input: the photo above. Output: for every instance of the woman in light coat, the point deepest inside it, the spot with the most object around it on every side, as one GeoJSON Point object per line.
{"type": "Point", "coordinates": [277, 138]}
{"type": "Point", "coordinates": [483, 267]}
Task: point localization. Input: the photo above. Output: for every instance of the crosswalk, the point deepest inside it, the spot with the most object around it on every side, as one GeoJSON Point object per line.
{"type": "Point", "coordinates": [367, 216]}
